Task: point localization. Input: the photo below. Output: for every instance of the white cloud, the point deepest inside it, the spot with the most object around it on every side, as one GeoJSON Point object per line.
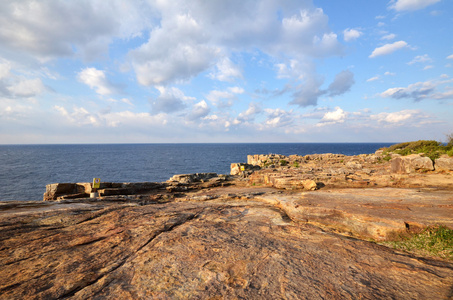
{"type": "Point", "coordinates": [373, 79]}
{"type": "Point", "coordinates": [249, 115]}
{"type": "Point", "coordinates": [226, 70]}
{"type": "Point", "coordinates": [192, 36]}
{"type": "Point", "coordinates": [27, 88]}
{"type": "Point", "coordinates": [333, 117]}
{"type": "Point", "coordinates": [388, 48]}
{"type": "Point", "coordinates": [351, 34]}
{"type": "Point", "coordinates": [411, 5]}
{"type": "Point", "coordinates": [199, 110]}
{"type": "Point", "coordinates": [389, 36]}
{"type": "Point", "coordinates": [170, 100]}
{"type": "Point", "coordinates": [278, 117]}
{"type": "Point", "coordinates": [389, 73]}
{"type": "Point", "coordinates": [79, 116]}
{"type": "Point", "coordinates": [218, 98]}
{"type": "Point", "coordinates": [420, 59]}
{"type": "Point", "coordinates": [395, 117]}
{"type": "Point", "coordinates": [97, 80]}
{"type": "Point", "coordinates": [5, 67]}
{"type": "Point", "coordinates": [450, 56]}
{"type": "Point", "coordinates": [49, 29]}
{"type": "Point", "coordinates": [421, 90]}
{"type": "Point", "coordinates": [183, 51]}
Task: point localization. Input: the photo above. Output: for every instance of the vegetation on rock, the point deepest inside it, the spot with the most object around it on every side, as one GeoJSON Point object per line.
{"type": "Point", "coordinates": [431, 149]}
{"type": "Point", "coordinates": [434, 241]}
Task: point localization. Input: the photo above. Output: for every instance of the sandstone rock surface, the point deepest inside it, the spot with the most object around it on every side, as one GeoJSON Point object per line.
{"type": "Point", "coordinates": [225, 242]}
{"type": "Point", "coordinates": [411, 163]}
{"type": "Point", "coordinates": [444, 163]}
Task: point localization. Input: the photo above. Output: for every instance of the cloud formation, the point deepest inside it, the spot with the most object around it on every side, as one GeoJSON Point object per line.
{"type": "Point", "coordinates": [388, 49]}
{"type": "Point", "coordinates": [97, 80]}
{"type": "Point", "coordinates": [421, 90]}
{"type": "Point", "coordinates": [351, 34]}
{"type": "Point", "coordinates": [411, 5]}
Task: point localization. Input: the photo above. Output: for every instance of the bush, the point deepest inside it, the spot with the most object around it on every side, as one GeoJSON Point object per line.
{"type": "Point", "coordinates": [283, 162]}
{"type": "Point", "coordinates": [296, 164]}
{"type": "Point", "coordinates": [431, 149]}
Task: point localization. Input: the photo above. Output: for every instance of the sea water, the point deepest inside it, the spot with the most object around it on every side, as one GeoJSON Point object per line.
{"type": "Point", "coordinates": [25, 170]}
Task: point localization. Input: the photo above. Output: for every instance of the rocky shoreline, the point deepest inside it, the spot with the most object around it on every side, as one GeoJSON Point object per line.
{"type": "Point", "coordinates": [276, 227]}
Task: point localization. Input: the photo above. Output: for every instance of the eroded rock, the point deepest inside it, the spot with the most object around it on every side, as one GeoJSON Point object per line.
{"type": "Point", "coordinates": [411, 163]}
{"type": "Point", "coordinates": [223, 247]}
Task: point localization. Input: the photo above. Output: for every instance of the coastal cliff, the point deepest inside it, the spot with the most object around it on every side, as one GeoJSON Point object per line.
{"type": "Point", "coordinates": [309, 227]}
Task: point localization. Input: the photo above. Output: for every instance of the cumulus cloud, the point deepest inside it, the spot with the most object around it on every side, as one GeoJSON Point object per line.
{"type": "Point", "coordinates": [49, 29]}
{"type": "Point", "coordinates": [450, 56]}
{"type": "Point", "coordinates": [411, 5]}
{"type": "Point", "coordinates": [178, 50]}
{"type": "Point", "coordinates": [388, 48]}
{"type": "Point", "coordinates": [170, 100]}
{"type": "Point", "coordinates": [249, 115]}
{"type": "Point", "coordinates": [278, 117]}
{"type": "Point", "coordinates": [193, 37]}
{"type": "Point", "coordinates": [333, 117]}
{"type": "Point", "coordinates": [226, 70]}
{"type": "Point", "coordinates": [224, 98]}
{"type": "Point", "coordinates": [351, 34]}
{"type": "Point", "coordinates": [97, 80]}
{"type": "Point", "coordinates": [79, 115]}
{"type": "Point", "coordinates": [396, 117]}
{"type": "Point", "coordinates": [199, 110]}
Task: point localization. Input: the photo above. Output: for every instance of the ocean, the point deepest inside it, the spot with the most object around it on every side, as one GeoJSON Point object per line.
{"type": "Point", "coordinates": [25, 170]}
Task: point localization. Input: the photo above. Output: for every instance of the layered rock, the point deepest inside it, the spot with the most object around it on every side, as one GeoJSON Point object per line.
{"type": "Point", "coordinates": [226, 242]}
{"type": "Point", "coordinates": [444, 163]}
{"type": "Point", "coordinates": [411, 163]}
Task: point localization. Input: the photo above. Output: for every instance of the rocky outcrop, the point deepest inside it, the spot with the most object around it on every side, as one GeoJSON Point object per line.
{"type": "Point", "coordinates": [181, 182]}
{"type": "Point", "coordinates": [60, 191]}
{"type": "Point", "coordinates": [191, 178]}
{"type": "Point", "coordinates": [411, 163]}
{"type": "Point", "coordinates": [236, 242]}
{"type": "Point", "coordinates": [243, 169]}
{"type": "Point", "coordinates": [341, 171]}
{"type": "Point", "coordinates": [444, 163]}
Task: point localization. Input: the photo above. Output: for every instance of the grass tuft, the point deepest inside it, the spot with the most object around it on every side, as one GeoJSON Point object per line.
{"type": "Point", "coordinates": [435, 241]}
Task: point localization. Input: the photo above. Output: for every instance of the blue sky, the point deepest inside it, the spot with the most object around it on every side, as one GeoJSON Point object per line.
{"type": "Point", "coordinates": [94, 71]}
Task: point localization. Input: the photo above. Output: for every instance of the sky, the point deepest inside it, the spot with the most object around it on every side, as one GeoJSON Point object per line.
{"type": "Point", "coordinates": [236, 71]}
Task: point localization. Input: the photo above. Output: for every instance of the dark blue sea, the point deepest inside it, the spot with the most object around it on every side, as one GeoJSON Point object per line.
{"type": "Point", "coordinates": [26, 169]}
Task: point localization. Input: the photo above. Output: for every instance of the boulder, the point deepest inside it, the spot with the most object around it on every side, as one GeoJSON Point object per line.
{"type": "Point", "coordinates": [411, 163]}
{"type": "Point", "coordinates": [54, 190]}
{"type": "Point", "coordinates": [239, 168]}
{"type": "Point", "coordinates": [444, 163]}
{"type": "Point", "coordinates": [310, 185]}
{"type": "Point", "coordinates": [190, 178]}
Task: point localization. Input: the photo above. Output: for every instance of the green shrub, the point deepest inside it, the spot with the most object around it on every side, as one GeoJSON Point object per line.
{"type": "Point", "coordinates": [431, 149]}
{"type": "Point", "coordinates": [283, 162]}
{"type": "Point", "coordinates": [296, 164]}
